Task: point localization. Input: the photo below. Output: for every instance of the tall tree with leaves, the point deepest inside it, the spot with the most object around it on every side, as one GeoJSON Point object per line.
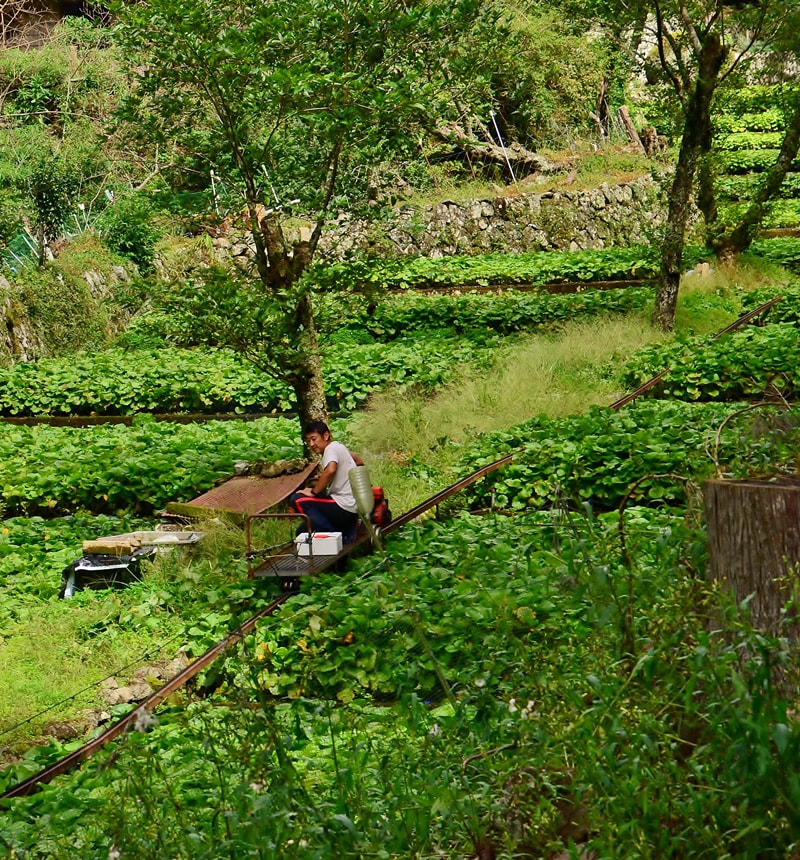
{"type": "Point", "coordinates": [701, 45]}
{"type": "Point", "coordinates": [778, 70]}
{"type": "Point", "coordinates": [290, 95]}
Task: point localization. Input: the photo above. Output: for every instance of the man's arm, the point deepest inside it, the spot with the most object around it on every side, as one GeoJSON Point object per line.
{"type": "Point", "coordinates": [324, 479]}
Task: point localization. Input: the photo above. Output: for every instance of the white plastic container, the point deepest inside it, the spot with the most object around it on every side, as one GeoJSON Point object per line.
{"type": "Point", "coordinates": [321, 543]}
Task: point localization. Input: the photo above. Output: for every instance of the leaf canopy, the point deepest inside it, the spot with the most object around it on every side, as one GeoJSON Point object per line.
{"type": "Point", "coordinates": [299, 89]}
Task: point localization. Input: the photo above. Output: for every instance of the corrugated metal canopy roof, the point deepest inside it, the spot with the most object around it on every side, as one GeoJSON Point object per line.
{"type": "Point", "coordinates": [244, 495]}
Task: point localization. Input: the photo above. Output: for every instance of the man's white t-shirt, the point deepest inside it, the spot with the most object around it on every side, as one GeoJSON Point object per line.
{"type": "Point", "coordinates": [339, 488]}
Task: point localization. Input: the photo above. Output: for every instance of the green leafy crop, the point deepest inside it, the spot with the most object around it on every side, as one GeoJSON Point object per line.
{"type": "Point", "coordinates": [106, 469]}
{"type": "Point", "coordinates": [781, 251]}
{"type": "Point", "coordinates": [597, 458]}
{"type": "Point", "coordinates": [491, 269]}
{"type": "Point", "coordinates": [475, 313]}
{"type": "Point", "coordinates": [745, 365]}
{"type": "Point", "coordinates": [168, 381]}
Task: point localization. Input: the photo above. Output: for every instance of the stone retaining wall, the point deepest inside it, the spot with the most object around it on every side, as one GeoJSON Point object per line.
{"type": "Point", "coordinates": [624, 214]}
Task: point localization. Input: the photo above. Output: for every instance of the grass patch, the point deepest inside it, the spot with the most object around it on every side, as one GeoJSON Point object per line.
{"type": "Point", "coordinates": [53, 657]}
{"type": "Point", "coordinates": [187, 598]}
{"type": "Point", "coordinates": [411, 441]}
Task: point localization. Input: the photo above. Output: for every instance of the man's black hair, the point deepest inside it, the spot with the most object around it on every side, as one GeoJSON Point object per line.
{"type": "Point", "coordinates": [316, 427]}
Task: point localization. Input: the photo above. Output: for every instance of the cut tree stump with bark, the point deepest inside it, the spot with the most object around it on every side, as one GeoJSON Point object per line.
{"type": "Point", "coordinates": [754, 544]}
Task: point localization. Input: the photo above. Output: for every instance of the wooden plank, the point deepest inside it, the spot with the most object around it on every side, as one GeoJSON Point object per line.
{"type": "Point", "coordinates": [109, 547]}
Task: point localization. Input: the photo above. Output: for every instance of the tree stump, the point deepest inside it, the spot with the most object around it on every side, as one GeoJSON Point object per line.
{"type": "Point", "coordinates": [754, 544]}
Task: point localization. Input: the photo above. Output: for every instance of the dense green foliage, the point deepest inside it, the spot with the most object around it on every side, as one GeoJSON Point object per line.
{"type": "Point", "coordinates": [78, 301]}
{"type": "Point", "coordinates": [119, 382]}
{"type": "Point", "coordinates": [784, 214]}
{"type": "Point", "coordinates": [556, 732]}
{"type": "Point", "coordinates": [348, 743]}
{"type": "Point", "coordinates": [337, 649]}
{"type": "Point", "coordinates": [756, 107]}
{"type": "Point", "coordinates": [783, 252]}
{"type": "Point", "coordinates": [127, 229]}
{"type": "Point", "coordinates": [648, 450]}
{"type": "Point", "coordinates": [743, 161]}
{"type": "Point", "coordinates": [56, 104]}
{"type": "Point", "coordinates": [745, 187]}
{"type": "Point", "coordinates": [109, 468]}
{"type": "Point", "coordinates": [62, 309]}
{"type": "Point", "coordinates": [745, 365]}
{"type": "Point", "coordinates": [750, 130]}
{"type": "Point", "coordinates": [533, 268]}
{"type": "Point", "coordinates": [467, 312]}
{"type": "Point", "coordinates": [548, 633]}
{"type": "Point", "coordinates": [545, 678]}
{"type": "Point", "coordinates": [786, 311]}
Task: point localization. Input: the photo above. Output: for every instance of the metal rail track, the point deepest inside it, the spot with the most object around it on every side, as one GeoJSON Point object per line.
{"type": "Point", "coordinates": [33, 783]}
{"type": "Point", "coordinates": [436, 500]}
{"type": "Point", "coordinates": [738, 323]}
{"type": "Point", "coordinates": [63, 765]}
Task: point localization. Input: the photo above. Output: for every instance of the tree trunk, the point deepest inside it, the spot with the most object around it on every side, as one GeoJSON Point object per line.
{"type": "Point", "coordinates": [754, 544]}
{"type": "Point", "coordinates": [696, 136]}
{"type": "Point", "coordinates": [306, 378]}
{"type": "Point", "coordinates": [279, 270]}
{"type": "Point", "coordinates": [707, 195]}
{"type": "Point", "coordinates": [41, 239]}
{"type": "Point", "coordinates": [675, 231]}
{"type": "Point", "coordinates": [630, 129]}
{"type": "Point", "coordinates": [514, 158]}
{"type": "Point", "coordinates": [601, 110]}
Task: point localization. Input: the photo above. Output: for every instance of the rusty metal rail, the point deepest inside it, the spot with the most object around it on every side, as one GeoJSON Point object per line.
{"type": "Point", "coordinates": [32, 784]}
{"type": "Point", "coordinates": [738, 323]}
{"type": "Point", "coordinates": [63, 765]}
{"type": "Point", "coordinates": [434, 501]}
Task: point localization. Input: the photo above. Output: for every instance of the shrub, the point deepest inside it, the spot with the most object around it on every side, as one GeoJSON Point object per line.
{"type": "Point", "coordinates": [126, 227]}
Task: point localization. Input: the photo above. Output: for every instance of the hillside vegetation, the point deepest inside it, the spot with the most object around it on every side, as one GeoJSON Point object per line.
{"type": "Point", "coordinates": [587, 647]}
{"type": "Point", "coordinates": [540, 667]}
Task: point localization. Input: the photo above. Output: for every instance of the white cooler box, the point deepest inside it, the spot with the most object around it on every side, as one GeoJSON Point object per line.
{"type": "Point", "coordinates": [321, 543]}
